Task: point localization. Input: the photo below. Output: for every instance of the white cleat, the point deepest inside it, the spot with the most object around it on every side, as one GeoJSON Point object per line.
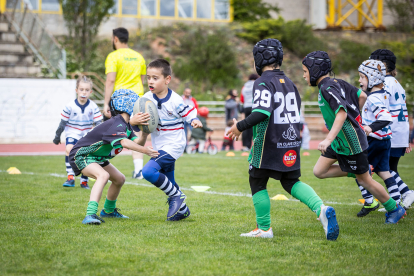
{"type": "Point", "coordinates": [329, 223]}
{"type": "Point", "coordinates": [259, 233]}
{"type": "Point", "coordinates": [408, 200]}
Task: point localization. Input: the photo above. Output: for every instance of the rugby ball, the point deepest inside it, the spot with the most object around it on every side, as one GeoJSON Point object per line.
{"type": "Point", "coordinates": [145, 105]}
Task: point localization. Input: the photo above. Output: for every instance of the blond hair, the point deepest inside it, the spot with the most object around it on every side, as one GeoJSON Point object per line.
{"type": "Point", "coordinates": [83, 78]}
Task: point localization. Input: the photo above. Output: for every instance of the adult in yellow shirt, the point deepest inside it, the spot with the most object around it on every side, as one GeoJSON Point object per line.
{"type": "Point", "coordinates": [125, 69]}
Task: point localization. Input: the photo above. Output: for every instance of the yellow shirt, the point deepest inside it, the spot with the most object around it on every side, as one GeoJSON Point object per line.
{"type": "Point", "coordinates": [129, 66]}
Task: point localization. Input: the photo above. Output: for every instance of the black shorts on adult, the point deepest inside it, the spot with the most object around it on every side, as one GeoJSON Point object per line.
{"type": "Point", "coordinates": [356, 164]}
{"type": "Point", "coordinates": [76, 169]}
{"type": "Point", "coordinates": [262, 173]}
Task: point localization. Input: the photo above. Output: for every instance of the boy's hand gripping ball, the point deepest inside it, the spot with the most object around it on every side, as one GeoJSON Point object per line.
{"type": "Point", "coordinates": [145, 105]}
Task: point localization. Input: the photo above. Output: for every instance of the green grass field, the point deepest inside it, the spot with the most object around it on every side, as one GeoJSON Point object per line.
{"type": "Point", "coordinates": [41, 231]}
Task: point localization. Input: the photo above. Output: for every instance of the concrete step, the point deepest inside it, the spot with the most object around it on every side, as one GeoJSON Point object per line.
{"type": "Point", "coordinates": [14, 47]}
{"type": "Point", "coordinates": [15, 58]}
{"type": "Point", "coordinates": [20, 70]}
{"type": "Point", "coordinates": [8, 36]}
{"type": "Point", "coordinates": [4, 26]}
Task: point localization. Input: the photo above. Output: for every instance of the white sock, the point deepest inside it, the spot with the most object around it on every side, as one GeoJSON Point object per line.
{"type": "Point", "coordinates": [369, 200]}
{"type": "Point", "coordinates": [138, 164]}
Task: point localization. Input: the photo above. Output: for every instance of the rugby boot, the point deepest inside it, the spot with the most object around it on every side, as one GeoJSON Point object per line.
{"type": "Point", "coordinates": [259, 233]}
{"type": "Point", "coordinates": [180, 216]}
{"type": "Point", "coordinates": [70, 182]}
{"type": "Point", "coordinates": [368, 208]}
{"type": "Point", "coordinates": [394, 216]}
{"type": "Point", "coordinates": [329, 222]}
{"type": "Point", "coordinates": [92, 220]}
{"type": "Point", "coordinates": [114, 214]}
{"type": "Point", "coordinates": [174, 203]}
{"type": "Point", "coordinates": [137, 175]}
{"type": "Point", "coordinates": [408, 200]}
{"type": "Point", "coordinates": [84, 185]}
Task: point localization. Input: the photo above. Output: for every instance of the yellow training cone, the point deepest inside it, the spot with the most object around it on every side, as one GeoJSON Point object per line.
{"type": "Point", "coordinates": [13, 170]}
{"type": "Point", "coordinates": [280, 197]}
{"type": "Point", "coordinates": [230, 153]}
{"type": "Point", "coordinates": [245, 154]}
{"type": "Point", "coordinates": [200, 188]}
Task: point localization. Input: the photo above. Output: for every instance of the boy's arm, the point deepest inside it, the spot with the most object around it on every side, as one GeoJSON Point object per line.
{"type": "Point", "coordinates": [261, 110]}
{"type": "Point", "coordinates": [362, 98]}
{"type": "Point", "coordinates": [381, 113]}
{"type": "Point", "coordinates": [128, 144]}
{"type": "Point", "coordinates": [188, 113]}
{"type": "Point", "coordinates": [59, 131]}
{"type": "Point", "coordinates": [340, 118]}
{"type": "Point", "coordinates": [142, 138]}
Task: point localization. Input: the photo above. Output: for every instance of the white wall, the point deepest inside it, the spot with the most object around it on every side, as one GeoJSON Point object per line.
{"type": "Point", "coordinates": [30, 108]}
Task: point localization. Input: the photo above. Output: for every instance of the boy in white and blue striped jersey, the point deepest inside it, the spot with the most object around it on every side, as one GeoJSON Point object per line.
{"type": "Point", "coordinates": [77, 119]}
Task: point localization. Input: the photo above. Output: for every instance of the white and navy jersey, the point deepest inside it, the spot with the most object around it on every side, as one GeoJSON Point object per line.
{"type": "Point", "coordinates": [80, 118]}
{"type": "Point", "coordinates": [375, 108]}
{"type": "Point", "coordinates": [173, 112]}
{"type": "Point", "coordinates": [398, 109]}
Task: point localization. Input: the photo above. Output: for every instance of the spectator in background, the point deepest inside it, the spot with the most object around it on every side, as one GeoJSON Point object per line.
{"type": "Point", "coordinates": [246, 99]}
{"type": "Point", "coordinates": [188, 100]}
{"type": "Point", "coordinates": [232, 105]}
{"type": "Point", "coordinates": [227, 141]}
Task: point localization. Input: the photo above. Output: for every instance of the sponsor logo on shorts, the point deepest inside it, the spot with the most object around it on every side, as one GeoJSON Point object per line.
{"type": "Point", "coordinates": [115, 151]}
{"type": "Point", "coordinates": [351, 161]}
{"type": "Point", "coordinates": [286, 145]}
{"type": "Point", "coordinates": [250, 167]}
{"type": "Point", "coordinates": [289, 159]}
{"type": "Point", "coordinates": [353, 167]}
{"type": "Point", "coordinates": [121, 133]}
{"type": "Point", "coordinates": [71, 139]}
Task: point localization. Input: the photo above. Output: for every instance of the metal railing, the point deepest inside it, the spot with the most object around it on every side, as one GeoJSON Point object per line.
{"type": "Point", "coordinates": [216, 108]}
{"type": "Point", "coordinates": [32, 31]}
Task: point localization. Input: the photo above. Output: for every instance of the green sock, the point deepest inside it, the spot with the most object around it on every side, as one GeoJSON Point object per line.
{"type": "Point", "coordinates": [390, 205]}
{"type": "Point", "coordinates": [351, 175]}
{"type": "Point", "coordinates": [92, 208]}
{"type": "Point", "coordinates": [307, 195]}
{"type": "Point", "coordinates": [109, 205]}
{"type": "Point", "coordinates": [261, 203]}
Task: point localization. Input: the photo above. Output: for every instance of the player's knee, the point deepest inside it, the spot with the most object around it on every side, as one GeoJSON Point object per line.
{"type": "Point", "coordinates": [318, 173]}
{"type": "Point", "coordinates": [150, 173]}
{"type": "Point", "coordinates": [287, 184]}
{"type": "Point", "coordinates": [120, 179]}
{"type": "Point", "coordinates": [104, 175]}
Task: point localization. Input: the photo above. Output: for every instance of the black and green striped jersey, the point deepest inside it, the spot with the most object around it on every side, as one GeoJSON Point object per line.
{"type": "Point", "coordinates": [351, 94]}
{"type": "Point", "coordinates": [102, 143]}
{"type": "Point", "coordinates": [351, 139]}
{"type": "Point", "coordinates": [276, 140]}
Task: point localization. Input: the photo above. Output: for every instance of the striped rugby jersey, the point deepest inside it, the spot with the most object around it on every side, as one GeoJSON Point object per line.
{"type": "Point", "coordinates": [173, 112]}
{"type": "Point", "coordinates": [398, 108]}
{"type": "Point", "coordinates": [375, 108]}
{"type": "Point", "coordinates": [80, 118]}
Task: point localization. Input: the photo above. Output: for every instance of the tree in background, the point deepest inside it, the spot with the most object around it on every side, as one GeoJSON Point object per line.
{"type": "Point", "coordinates": [205, 56]}
{"type": "Point", "coordinates": [83, 18]}
{"type": "Point", "coordinates": [251, 10]}
{"type": "Point", "coordinates": [403, 11]}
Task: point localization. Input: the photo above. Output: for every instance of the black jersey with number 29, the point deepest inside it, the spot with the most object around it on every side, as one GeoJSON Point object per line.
{"type": "Point", "coordinates": [276, 144]}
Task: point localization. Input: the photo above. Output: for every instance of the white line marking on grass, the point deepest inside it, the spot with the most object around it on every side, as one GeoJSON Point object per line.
{"type": "Point", "coordinates": [184, 189]}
